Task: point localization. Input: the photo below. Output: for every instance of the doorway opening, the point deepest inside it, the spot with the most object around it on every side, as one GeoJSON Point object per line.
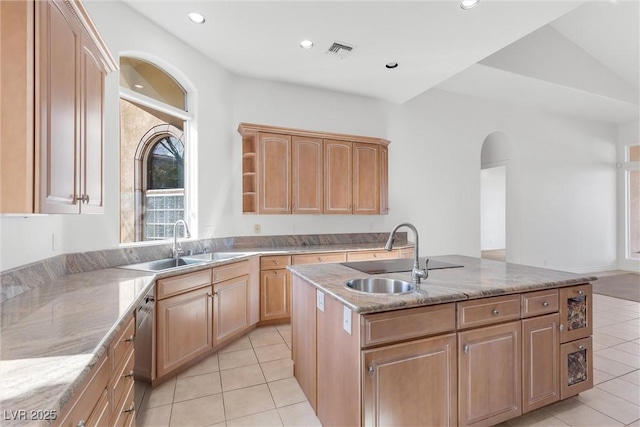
{"type": "Point", "coordinates": [494, 170]}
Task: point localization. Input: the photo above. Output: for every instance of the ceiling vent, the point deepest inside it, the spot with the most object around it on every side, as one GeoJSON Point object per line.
{"type": "Point", "coordinates": [340, 49]}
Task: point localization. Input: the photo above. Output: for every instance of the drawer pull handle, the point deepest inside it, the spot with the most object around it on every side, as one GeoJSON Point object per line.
{"type": "Point", "coordinates": [580, 347]}
{"type": "Point", "coordinates": [495, 312]}
{"type": "Point", "coordinates": [276, 262]}
{"type": "Point", "coordinates": [370, 370]}
{"type": "Point", "coordinates": [466, 349]}
{"type": "Point", "coordinates": [545, 304]}
{"type": "Point", "coordinates": [129, 375]}
{"type": "Point", "coordinates": [580, 292]}
{"type": "Point", "coordinates": [131, 338]}
{"type": "Point", "coordinates": [81, 423]}
{"type": "Point", "coordinates": [561, 327]}
{"type": "Point", "coordinates": [375, 255]}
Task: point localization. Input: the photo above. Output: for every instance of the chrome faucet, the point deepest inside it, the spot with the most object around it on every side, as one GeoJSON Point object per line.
{"type": "Point", "coordinates": [177, 249]}
{"type": "Point", "coordinates": [416, 273]}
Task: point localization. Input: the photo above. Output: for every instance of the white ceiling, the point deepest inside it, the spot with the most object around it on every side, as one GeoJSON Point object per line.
{"type": "Point", "coordinates": [432, 41]}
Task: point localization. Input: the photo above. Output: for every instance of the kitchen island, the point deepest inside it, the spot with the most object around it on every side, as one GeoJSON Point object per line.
{"type": "Point", "coordinates": [475, 345]}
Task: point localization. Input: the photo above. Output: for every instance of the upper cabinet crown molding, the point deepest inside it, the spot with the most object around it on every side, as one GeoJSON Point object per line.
{"type": "Point", "coordinates": [244, 128]}
{"type": "Point", "coordinates": [294, 171]}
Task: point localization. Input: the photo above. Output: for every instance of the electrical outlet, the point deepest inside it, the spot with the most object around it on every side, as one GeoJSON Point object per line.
{"type": "Point", "coordinates": [257, 229]}
{"type": "Point", "coordinates": [320, 300]}
{"type": "Point", "coordinates": [346, 319]}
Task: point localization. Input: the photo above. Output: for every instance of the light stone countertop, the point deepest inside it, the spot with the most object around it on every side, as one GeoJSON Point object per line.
{"type": "Point", "coordinates": [52, 335]}
{"type": "Point", "coordinates": [478, 278]}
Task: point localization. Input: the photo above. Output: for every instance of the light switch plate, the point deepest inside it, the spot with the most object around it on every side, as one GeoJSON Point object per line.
{"type": "Point", "coordinates": [346, 319]}
{"type": "Point", "coordinates": [320, 300]}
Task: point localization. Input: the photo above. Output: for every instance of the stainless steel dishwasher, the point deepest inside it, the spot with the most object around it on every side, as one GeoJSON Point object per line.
{"type": "Point", "coordinates": [143, 345]}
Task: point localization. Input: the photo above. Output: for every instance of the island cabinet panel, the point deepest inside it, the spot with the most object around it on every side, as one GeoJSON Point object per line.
{"type": "Point", "coordinates": [338, 372]}
{"type": "Point", "coordinates": [307, 169]}
{"type": "Point", "coordinates": [540, 361]}
{"type": "Point", "coordinates": [184, 329]}
{"type": "Point", "coordinates": [576, 367]}
{"type": "Point", "coordinates": [489, 374]}
{"type": "Point", "coordinates": [576, 312]}
{"type": "Point", "coordinates": [303, 338]}
{"type": "Point", "coordinates": [274, 177]}
{"type": "Point", "coordinates": [338, 185]}
{"type": "Point", "coordinates": [411, 384]}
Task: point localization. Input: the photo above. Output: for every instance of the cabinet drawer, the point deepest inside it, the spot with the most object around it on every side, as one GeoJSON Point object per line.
{"type": "Point", "coordinates": [274, 262]}
{"type": "Point", "coordinates": [401, 325]}
{"type": "Point", "coordinates": [229, 271]}
{"type": "Point", "coordinates": [488, 311]}
{"type": "Point", "coordinates": [125, 412]}
{"type": "Point", "coordinates": [576, 367]}
{"type": "Point", "coordinates": [319, 258]}
{"type": "Point", "coordinates": [541, 302]}
{"type": "Point", "coordinates": [122, 344]}
{"type": "Point", "coordinates": [371, 255]}
{"type": "Point", "coordinates": [82, 405]}
{"type": "Point", "coordinates": [122, 379]}
{"type": "Point", "coordinates": [185, 282]}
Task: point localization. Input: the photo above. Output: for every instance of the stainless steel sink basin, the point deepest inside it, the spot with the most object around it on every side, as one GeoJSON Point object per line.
{"type": "Point", "coordinates": [163, 264]}
{"type": "Point", "coordinates": [216, 256]}
{"type": "Point", "coordinates": [379, 285]}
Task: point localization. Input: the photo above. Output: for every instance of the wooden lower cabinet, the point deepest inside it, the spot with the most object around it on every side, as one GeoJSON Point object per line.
{"type": "Point", "coordinates": [275, 295]}
{"type": "Point", "coordinates": [489, 374]}
{"type": "Point", "coordinates": [303, 338]}
{"type": "Point", "coordinates": [540, 362]}
{"type": "Point", "coordinates": [576, 367]}
{"type": "Point", "coordinates": [231, 303]}
{"type": "Point", "coordinates": [183, 329]}
{"type": "Point", "coordinates": [427, 368]}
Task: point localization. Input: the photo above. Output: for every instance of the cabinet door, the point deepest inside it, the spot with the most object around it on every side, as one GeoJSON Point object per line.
{"type": "Point", "coordinates": [275, 295]}
{"type": "Point", "coordinates": [540, 362]}
{"type": "Point", "coordinates": [58, 88]}
{"type": "Point", "coordinates": [307, 175]}
{"type": "Point", "coordinates": [576, 367]}
{"type": "Point", "coordinates": [92, 129]}
{"type": "Point", "coordinates": [17, 106]}
{"type": "Point", "coordinates": [274, 176]}
{"type": "Point", "coordinates": [184, 329]}
{"type": "Point", "coordinates": [576, 312]}
{"type": "Point", "coordinates": [338, 183]}
{"type": "Point", "coordinates": [489, 369]}
{"type": "Point", "coordinates": [384, 179]}
{"type": "Point", "coordinates": [427, 367]}
{"type": "Point", "coordinates": [366, 179]}
{"type": "Point", "coordinates": [231, 308]}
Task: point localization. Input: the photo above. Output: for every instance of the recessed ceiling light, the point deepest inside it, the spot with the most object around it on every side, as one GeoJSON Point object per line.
{"type": "Point", "coordinates": [306, 44]}
{"type": "Point", "coordinates": [196, 18]}
{"type": "Point", "coordinates": [469, 4]}
{"type": "Point", "coordinates": [138, 86]}
{"type": "Point", "coordinates": [392, 65]}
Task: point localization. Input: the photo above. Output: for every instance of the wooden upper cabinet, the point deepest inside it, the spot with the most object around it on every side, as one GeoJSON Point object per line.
{"type": "Point", "coordinates": [307, 169]}
{"type": "Point", "coordinates": [293, 171]}
{"type": "Point", "coordinates": [55, 161]}
{"type": "Point", "coordinates": [274, 178]}
{"type": "Point", "coordinates": [338, 184]}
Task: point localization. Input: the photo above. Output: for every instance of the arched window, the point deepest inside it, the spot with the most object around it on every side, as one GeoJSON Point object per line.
{"type": "Point", "coordinates": [153, 148]}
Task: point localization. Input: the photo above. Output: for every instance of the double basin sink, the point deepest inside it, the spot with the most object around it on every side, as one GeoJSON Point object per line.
{"type": "Point", "coordinates": [184, 261]}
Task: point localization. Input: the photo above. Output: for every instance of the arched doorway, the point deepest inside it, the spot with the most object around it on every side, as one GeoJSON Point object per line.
{"type": "Point", "coordinates": [494, 172]}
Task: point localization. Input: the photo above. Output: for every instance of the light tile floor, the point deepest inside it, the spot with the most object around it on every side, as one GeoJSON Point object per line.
{"type": "Point", "coordinates": [250, 382]}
